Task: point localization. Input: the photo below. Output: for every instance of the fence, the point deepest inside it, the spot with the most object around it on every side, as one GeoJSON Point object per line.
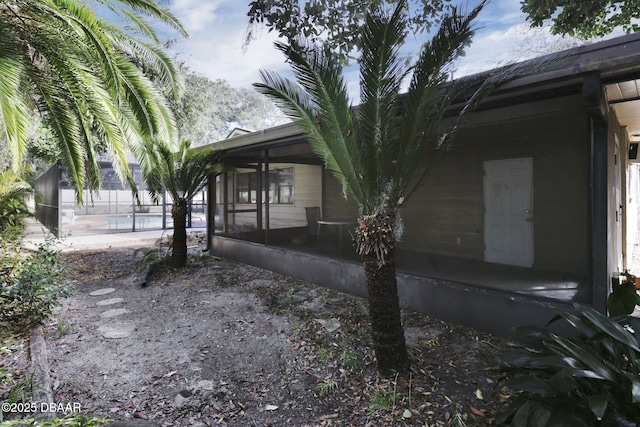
{"type": "Point", "coordinates": [111, 209]}
{"type": "Point", "coordinates": [47, 186]}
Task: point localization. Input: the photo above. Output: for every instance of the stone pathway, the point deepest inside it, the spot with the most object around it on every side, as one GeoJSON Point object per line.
{"type": "Point", "coordinates": [114, 329]}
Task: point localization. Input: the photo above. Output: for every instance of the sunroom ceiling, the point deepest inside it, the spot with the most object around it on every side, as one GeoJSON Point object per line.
{"type": "Point", "coordinates": [624, 98]}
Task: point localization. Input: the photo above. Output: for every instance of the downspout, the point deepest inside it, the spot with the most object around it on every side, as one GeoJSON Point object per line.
{"type": "Point", "coordinates": [593, 99]}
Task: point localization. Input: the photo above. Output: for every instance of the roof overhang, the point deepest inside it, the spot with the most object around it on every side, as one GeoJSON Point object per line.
{"type": "Point", "coordinates": [616, 61]}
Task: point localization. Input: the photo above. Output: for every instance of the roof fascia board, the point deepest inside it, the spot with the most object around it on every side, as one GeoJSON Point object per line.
{"type": "Point", "coordinates": [288, 130]}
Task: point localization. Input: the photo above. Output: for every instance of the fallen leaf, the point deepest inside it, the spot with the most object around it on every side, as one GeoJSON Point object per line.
{"type": "Point", "coordinates": [327, 417]}
{"type": "Point", "coordinates": [407, 414]}
{"type": "Point", "coordinates": [479, 394]}
{"type": "Point", "coordinates": [476, 411]}
{"type": "Point", "coordinates": [140, 415]}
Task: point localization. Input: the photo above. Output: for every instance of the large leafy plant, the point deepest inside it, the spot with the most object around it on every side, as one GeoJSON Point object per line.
{"type": "Point", "coordinates": [592, 379]}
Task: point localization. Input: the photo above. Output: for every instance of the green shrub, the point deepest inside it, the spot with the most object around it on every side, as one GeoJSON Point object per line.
{"type": "Point", "coordinates": [77, 420]}
{"type": "Point", "coordinates": [14, 193]}
{"type": "Point", "coordinates": [31, 284]}
{"type": "Point", "coordinates": [590, 380]}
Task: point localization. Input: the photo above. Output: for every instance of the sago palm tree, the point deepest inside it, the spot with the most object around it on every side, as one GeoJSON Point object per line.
{"type": "Point", "coordinates": [182, 175]}
{"type": "Point", "coordinates": [379, 152]}
{"type": "Point", "coordinates": [88, 79]}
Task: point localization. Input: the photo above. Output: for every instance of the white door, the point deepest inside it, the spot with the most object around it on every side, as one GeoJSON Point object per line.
{"type": "Point", "coordinates": [508, 220]}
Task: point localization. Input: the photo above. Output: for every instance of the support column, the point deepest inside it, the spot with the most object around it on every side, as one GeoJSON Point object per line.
{"type": "Point", "coordinates": [599, 215]}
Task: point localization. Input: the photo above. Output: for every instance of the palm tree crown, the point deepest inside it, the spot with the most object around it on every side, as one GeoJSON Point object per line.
{"type": "Point", "coordinates": [181, 174]}
{"type": "Point", "coordinates": [376, 151]}
{"type": "Point", "coordinates": [85, 76]}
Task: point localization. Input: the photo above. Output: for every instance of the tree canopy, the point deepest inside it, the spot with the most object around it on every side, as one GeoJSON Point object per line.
{"type": "Point", "coordinates": [337, 22]}
{"type": "Point", "coordinates": [585, 19]}
{"type": "Point", "coordinates": [210, 109]}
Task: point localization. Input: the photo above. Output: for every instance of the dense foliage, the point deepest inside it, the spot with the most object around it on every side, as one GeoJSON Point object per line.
{"type": "Point", "coordinates": [14, 193]}
{"type": "Point", "coordinates": [88, 79]}
{"type": "Point", "coordinates": [338, 22]}
{"type": "Point", "coordinates": [209, 110]}
{"type": "Point", "coordinates": [592, 379]}
{"type": "Point", "coordinates": [584, 18]}
{"type": "Point", "coordinates": [31, 284]}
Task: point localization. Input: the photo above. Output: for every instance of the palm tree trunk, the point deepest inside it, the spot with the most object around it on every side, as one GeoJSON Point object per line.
{"type": "Point", "coordinates": [179, 252]}
{"type": "Point", "coordinates": [384, 312]}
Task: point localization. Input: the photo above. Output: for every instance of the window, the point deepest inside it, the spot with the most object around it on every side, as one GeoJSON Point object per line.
{"type": "Point", "coordinates": [280, 186]}
{"type": "Point", "coordinates": [246, 187]}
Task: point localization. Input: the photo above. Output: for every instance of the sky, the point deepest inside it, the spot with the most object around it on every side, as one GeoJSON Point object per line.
{"type": "Point", "coordinates": [217, 31]}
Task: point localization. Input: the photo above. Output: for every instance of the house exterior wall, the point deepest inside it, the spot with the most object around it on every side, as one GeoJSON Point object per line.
{"type": "Point", "coordinates": [446, 216]}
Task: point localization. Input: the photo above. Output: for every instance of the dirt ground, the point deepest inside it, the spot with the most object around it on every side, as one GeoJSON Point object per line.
{"type": "Point", "coordinates": [224, 344]}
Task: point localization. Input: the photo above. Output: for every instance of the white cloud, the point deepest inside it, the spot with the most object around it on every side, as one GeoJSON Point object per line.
{"type": "Point", "coordinates": [215, 44]}
{"type": "Point", "coordinates": [195, 15]}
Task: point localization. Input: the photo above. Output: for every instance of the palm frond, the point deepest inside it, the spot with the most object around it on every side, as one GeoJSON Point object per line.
{"type": "Point", "coordinates": [148, 8]}
{"type": "Point", "coordinates": [181, 174]}
{"type": "Point", "coordinates": [87, 77]}
{"type": "Point", "coordinates": [63, 121]}
{"type": "Point", "coordinates": [13, 111]}
{"type": "Point", "coordinates": [296, 105]}
{"type": "Point", "coordinates": [140, 25]}
{"type": "Point", "coordinates": [155, 62]}
{"type": "Point", "coordinates": [426, 102]}
{"type": "Point", "coordinates": [320, 102]}
{"type": "Point", "coordinates": [381, 76]}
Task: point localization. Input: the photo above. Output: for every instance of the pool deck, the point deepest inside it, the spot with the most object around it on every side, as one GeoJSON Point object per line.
{"type": "Point", "coordinates": [36, 234]}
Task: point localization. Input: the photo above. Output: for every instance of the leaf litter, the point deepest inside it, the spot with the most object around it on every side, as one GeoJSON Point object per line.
{"type": "Point", "coordinates": [225, 344]}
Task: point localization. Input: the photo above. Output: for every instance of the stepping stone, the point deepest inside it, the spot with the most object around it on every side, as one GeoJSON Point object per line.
{"type": "Point", "coordinates": [110, 301]}
{"type": "Point", "coordinates": [117, 330]}
{"type": "Point", "coordinates": [102, 291]}
{"type": "Point", "coordinates": [330, 325]}
{"type": "Point", "coordinates": [114, 312]}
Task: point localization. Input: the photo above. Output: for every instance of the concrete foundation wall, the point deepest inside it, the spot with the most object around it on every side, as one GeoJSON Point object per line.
{"type": "Point", "coordinates": [488, 310]}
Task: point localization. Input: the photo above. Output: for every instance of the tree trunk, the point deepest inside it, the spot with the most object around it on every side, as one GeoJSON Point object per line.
{"type": "Point", "coordinates": [179, 252]}
{"type": "Point", "coordinates": [384, 312]}
{"type": "Point", "coordinates": [376, 243]}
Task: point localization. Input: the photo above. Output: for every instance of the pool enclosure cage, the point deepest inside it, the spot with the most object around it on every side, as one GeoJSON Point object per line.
{"type": "Point", "coordinates": [112, 209]}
